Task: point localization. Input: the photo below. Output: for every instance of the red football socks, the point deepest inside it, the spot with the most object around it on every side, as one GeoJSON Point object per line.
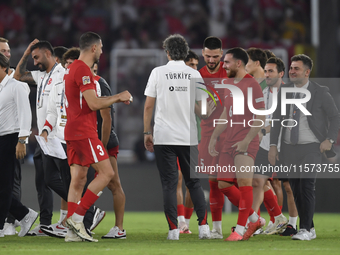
{"type": "Point", "coordinates": [246, 201]}
{"type": "Point", "coordinates": [85, 203]}
{"type": "Point", "coordinates": [216, 201]}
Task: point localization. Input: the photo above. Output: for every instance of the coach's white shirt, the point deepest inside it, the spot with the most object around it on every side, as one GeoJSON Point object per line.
{"type": "Point", "coordinates": [175, 121]}
{"type": "Point", "coordinates": [15, 109]}
{"type": "Point", "coordinates": [56, 113]}
{"type": "Point", "coordinates": [40, 78]}
{"type": "Point", "coordinates": [268, 101]}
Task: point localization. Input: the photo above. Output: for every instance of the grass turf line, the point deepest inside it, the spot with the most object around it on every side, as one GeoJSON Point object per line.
{"type": "Point", "coordinates": [147, 232]}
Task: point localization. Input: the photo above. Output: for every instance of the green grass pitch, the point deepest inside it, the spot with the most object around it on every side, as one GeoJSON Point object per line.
{"type": "Point", "coordinates": [147, 232]}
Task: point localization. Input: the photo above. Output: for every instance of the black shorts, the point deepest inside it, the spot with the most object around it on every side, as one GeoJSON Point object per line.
{"type": "Point", "coordinates": [264, 167]}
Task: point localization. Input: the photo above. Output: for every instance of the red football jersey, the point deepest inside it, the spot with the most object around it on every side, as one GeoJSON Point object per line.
{"type": "Point", "coordinates": [81, 120]}
{"type": "Point", "coordinates": [238, 126]}
{"type": "Point", "coordinates": [207, 127]}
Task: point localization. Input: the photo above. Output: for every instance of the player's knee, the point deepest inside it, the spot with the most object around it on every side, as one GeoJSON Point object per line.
{"type": "Point", "coordinates": [256, 183]}
{"type": "Point", "coordinates": [223, 185]}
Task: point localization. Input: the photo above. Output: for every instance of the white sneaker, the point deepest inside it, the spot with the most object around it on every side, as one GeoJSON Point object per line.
{"type": "Point", "coordinates": [115, 233]}
{"type": "Point", "coordinates": [204, 232]}
{"type": "Point", "coordinates": [72, 237]}
{"type": "Point", "coordinates": [173, 234]}
{"type": "Point", "coordinates": [27, 222]}
{"type": "Point", "coordinates": [36, 231]}
{"type": "Point", "coordinates": [79, 230]}
{"type": "Point", "coordinates": [302, 235]}
{"type": "Point", "coordinates": [313, 233]}
{"type": "Point", "coordinates": [258, 232]}
{"type": "Point", "coordinates": [55, 230]}
{"type": "Point", "coordinates": [98, 217]}
{"type": "Point", "coordinates": [2, 234]}
{"type": "Point", "coordinates": [9, 229]}
{"type": "Point", "coordinates": [215, 234]}
{"type": "Point", "coordinates": [279, 224]}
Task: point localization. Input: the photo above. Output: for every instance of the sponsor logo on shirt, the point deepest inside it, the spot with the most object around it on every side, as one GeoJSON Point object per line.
{"type": "Point", "coordinates": [178, 88]}
{"type": "Point", "coordinates": [86, 80]}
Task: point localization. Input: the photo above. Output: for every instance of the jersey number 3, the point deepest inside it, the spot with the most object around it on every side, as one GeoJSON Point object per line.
{"type": "Point", "coordinates": [101, 152]}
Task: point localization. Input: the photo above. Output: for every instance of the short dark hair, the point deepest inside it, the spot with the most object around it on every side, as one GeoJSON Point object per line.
{"type": "Point", "coordinates": [176, 46]}
{"type": "Point", "coordinates": [269, 54]}
{"type": "Point", "coordinates": [43, 45]}
{"type": "Point", "coordinates": [3, 40]}
{"type": "Point", "coordinates": [212, 43]}
{"type": "Point", "coordinates": [72, 53]}
{"type": "Point", "coordinates": [257, 54]}
{"type": "Point", "coordinates": [307, 61]}
{"type": "Point", "coordinates": [191, 55]}
{"type": "Point", "coordinates": [59, 51]}
{"type": "Point", "coordinates": [239, 53]}
{"type": "Point", "coordinates": [280, 66]}
{"type": "Point", "coordinates": [4, 62]}
{"type": "Point", "coordinates": [88, 39]}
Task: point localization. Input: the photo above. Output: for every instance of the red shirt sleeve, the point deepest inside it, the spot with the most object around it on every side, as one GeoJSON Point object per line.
{"type": "Point", "coordinates": [258, 99]}
{"type": "Point", "coordinates": [84, 78]}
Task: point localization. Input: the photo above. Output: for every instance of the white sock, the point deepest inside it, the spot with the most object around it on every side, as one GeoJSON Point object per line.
{"type": "Point", "coordinates": [63, 214]}
{"type": "Point", "coordinates": [239, 229]}
{"type": "Point", "coordinates": [77, 218]}
{"type": "Point", "coordinates": [292, 221]}
{"type": "Point", "coordinates": [254, 217]}
{"type": "Point", "coordinates": [275, 217]}
{"type": "Point", "coordinates": [187, 221]}
{"type": "Point", "coordinates": [217, 225]}
{"type": "Point", "coordinates": [181, 218]}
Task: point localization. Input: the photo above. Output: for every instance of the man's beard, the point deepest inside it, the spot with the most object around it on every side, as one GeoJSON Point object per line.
{"type": "Point", "coordinates": [213, 68]}
{"type": "Point", "coordinates": [232, 73]}
{"type": "Point", "coordinates": [42, 67]}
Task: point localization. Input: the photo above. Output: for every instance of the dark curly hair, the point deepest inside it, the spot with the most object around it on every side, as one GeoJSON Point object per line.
{"type": "Point", "coordinates": [176, 46]}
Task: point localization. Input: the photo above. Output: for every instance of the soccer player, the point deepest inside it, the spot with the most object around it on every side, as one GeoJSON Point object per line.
{"type": "Point", "coordinates": [274, 71]}
{"type": "Point", "coordinates": [257, 61]}
{"type": "Point", "coordinates": [58, 54]}
{"type": "Point", "coordinates": [212, 73]}
{"type": "Point", "coordinates": [175, 130]}
{"type": "Point", "coordinates": [49, 74]}
{"type": "Point", "coordinates": [241, 143]}
{"type": "Point", "coordinates": [83, 145]}
{"type": "Point", "coordinates": [108, 136]}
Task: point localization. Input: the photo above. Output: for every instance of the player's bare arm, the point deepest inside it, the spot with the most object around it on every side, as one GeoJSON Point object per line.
{"type": "Point", "coordinates": [217, 131]}
{"type": "Point", "coordinates": [97, 103]}
{"type": "Point", "coordinates": [106, 125]}
{"type": "Point", "coordinates": [20, 72]}
{"type": "Point", "coordinates": [148, 111]}
{"type": "Point", "coordinates": [273, 155]}
{"type": "Point", "coordinates": [242, 146]}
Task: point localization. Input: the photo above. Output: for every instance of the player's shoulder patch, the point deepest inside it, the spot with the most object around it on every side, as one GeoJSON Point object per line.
{"type": "Point", "coordinates": [86, 80]}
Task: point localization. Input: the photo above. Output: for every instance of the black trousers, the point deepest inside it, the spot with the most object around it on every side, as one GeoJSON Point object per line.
{"type": "Point", "coordinates": [166, 159]}
{"type": "Point", "coordinates": [302, 183]}
{"type": "Point", "coordinates": [45, 195]}
{"type": "Point", "coordinates": [8, 203]}
{"type": "Point", "coordinates": [16, 187]}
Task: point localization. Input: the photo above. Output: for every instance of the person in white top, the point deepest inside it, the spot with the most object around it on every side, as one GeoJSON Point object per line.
{"type": "Point", "coordinates": [10, 221]}
{"type": "Point", "coordinates": [175, 132]}
{"type": "Point", "coordinates": [16, 119]}
{"type": "Point", "coordinates": [50, 73]}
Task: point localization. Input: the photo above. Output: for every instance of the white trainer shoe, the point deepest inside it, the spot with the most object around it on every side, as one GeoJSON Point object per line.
{"type": "Point", "coordinates": [215, 234]}
{"type": "Point", "coordinates": [79, 230]}
{"type": "Point", "coordinates": [204, 232]}
{"type": "Point", "coordinates": [55, 230]}
{"type": "Point", "coordinates": [36, 231]}
{"type": "Point", "coordinates": [27, 222]}
{"type": "Point", "coordinates": [72, 237]}
{"type": "Point", "coordinates": [313, 233]}
{"type": "Point", "coordinates": [173, 234]}
{"type": "Point", "coordinates": [302, 235]}
{"type": "Point", "coordinates": [115, 233]}
{"type": "Point", "coordinates": [98, 217]}
{"type": "Point", "coordinates": [9, 229]}
{"type": "Point", "coordinates": [279, 224]}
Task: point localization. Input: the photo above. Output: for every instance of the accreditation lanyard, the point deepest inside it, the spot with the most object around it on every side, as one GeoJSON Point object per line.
{"type": "Point", "coordinates": [42, 88]}
{"type": "Point", "coordinates": [62, 101]}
